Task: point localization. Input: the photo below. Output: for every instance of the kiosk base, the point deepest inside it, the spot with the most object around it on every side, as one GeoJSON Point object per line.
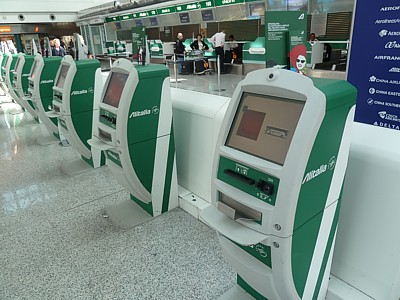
{"type": "Point", "coordinates": [127, 214]}
{"type": "Point", "coordinates": [76, 167]}
{"type": "Point", "coordinates": [236, 293]}
{"type": "Point", "coordinates": [46, 140]}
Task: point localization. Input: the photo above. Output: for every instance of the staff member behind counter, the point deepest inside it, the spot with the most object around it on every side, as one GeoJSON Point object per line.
{"type": "Point", "coordinates": [199, 44]}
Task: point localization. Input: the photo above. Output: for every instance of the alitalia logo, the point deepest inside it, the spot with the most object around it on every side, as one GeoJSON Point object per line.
{"type": "Point", "coordinates": [74, 93]}
{"type": "Point", "coordinates": [155, 110]}
{"type": "Point", "coordinates": [46, 81]}
{"type": "Point", "coordinates": [322, 169]}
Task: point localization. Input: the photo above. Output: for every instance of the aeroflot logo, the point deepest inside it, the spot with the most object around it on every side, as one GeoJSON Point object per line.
{"type": "Point", "coordinates": [46, 81]}
{"type": "Point", "coordinates": [322, 169]}
{"type": "Point", "coordinates": [155, 110]}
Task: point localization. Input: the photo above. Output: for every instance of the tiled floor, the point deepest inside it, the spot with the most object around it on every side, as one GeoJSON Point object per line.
{"type": "Point", "coordinates": [56, 244]}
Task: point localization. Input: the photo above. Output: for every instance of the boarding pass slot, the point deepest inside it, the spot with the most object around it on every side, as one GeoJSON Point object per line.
{"type": "Point", "coordinates": [239, 177]}
{"type": "Point", "coordinates": [236, 210]}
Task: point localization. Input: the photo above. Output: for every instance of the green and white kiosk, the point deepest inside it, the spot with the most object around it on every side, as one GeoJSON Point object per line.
{"type": "Point", "coordinates": [135, 131]}
{"type": "Point", "coordinates": [40, 89]}
{"type": "Point", "coordinates": [9, 77]}
{"type": "Point", "coordinates": [278, 172]}
{"type": "Point", "coordinates": [77, 87]}
{"type": "Point", "coordinates": [20, 83]}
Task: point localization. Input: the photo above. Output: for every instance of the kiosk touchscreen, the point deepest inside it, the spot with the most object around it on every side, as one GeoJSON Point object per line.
{"type": "Point", "coordinates": [278, 171]}
{"type": "Point", "coordinates": [40, 89]}
{"type": "Point", "coordinates": [135, 131]}
{"type": "Point", "coordinates": [21, 73]}
{"type": "Point", "coordinates": [77, 87]}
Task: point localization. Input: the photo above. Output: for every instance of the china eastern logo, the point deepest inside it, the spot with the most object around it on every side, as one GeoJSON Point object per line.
{"type": "Point", "coordinates": [321, 170]}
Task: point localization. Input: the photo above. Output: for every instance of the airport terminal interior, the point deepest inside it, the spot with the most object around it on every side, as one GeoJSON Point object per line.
{"type": "Point", "coordinates": [199, 150]}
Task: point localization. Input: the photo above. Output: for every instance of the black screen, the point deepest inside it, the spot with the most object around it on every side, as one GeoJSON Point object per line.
{"type": "Point", "coordinates": [184, 17]}
{"type": "Point", "coordinates": [207, 15]}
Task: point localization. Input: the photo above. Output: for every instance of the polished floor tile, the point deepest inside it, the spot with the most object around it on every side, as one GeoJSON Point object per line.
{"type": "Point", "coordinates": [57, 242]}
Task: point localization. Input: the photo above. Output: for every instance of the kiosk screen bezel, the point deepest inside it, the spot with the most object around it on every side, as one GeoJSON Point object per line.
{"type": "Point", "coordinates": [63, 74]}
{"type": "Point", "coordinates": [33, 69]}
{"type": "Point", "coordinates": [257, 118]}
{"type": "Point", "coordinates": [115, 98]}
{"type": "Point", "coordinates": [17, 63]}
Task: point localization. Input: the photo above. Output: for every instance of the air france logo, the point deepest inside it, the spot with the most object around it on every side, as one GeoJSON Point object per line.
{"type": "Point", "coordinates": [322, 169]}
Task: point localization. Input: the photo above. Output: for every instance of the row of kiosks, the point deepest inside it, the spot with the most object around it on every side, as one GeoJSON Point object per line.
{"type": "Point", "coordinates": [76, 89]}
{"type": "Point", "coordinates": [21, 73]}
{"type": "Point", "coordinates": [8, 77]}
{"type": "Point", "coordinates": [40, 91]}
{"type": "Point", "coordinates": [134, 129]}
{"type": "Point", "coordinates": [278, 171]}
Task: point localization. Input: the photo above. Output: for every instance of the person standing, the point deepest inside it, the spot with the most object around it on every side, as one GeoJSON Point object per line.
{"type": "Point", "coordinates": [57, 49]}
{"type": "Point", "coordinates": [218, 40]}
{"type": "Point", "coordinates": [180, 51]}
{"type": "Point", "coordinates": [199, 44]}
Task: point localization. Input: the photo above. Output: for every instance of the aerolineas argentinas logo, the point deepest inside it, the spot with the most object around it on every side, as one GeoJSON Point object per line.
{"type": "Point", "coordinates": [322, 169]}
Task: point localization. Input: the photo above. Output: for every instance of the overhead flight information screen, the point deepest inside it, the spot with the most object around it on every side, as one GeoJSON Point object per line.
{"type": "Point", "coordinates": [264, 126]}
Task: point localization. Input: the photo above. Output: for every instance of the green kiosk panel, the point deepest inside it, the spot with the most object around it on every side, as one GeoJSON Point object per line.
{"type": "Point", "coordinates": [9, 77]}
{"type": "Point", "coordinates": [40, 89]}
{"type": "Point", "coordinates": [135, 131]}
{"type": "Point", "coordinates": [21, 73]}
{"type": "Point", "coordinates": [278, 172]}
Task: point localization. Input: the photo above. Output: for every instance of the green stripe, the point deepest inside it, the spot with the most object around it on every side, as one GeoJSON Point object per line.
{"type": "Point", "coordinates": [327, 250]}
{"type": "Point", "coordinates": [148, 207]}
{"type": "Point", "coordinates": [244, 285]}
{"type": "Point", "coordinates": [169, 171]}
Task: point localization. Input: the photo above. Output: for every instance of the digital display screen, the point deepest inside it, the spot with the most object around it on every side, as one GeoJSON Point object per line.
{"type": "Point", "coordinates": [207, 15]}
{"type": "Point", "coordinates": [257, 9]}
{"type": "Point", "coordinates": [264, 126]}
{"type": "Point", "coordinates": [62, 76]}
{"type": "Point", "coordinates": [33, 70]}
{"type": "Point", "coordinates": [139, 23]}
{"type": "Point", "coordinates": [17, 63]}
{"type": "Point", "coordinates": [153, 21]}
{"type": "Point", "coordinates": [184, 18]}
{"type": "Point", "coordinates": [114, 89]}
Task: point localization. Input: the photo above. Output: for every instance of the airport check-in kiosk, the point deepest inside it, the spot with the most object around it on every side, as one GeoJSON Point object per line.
{"type": "Point", "coordinates": [40, 89]}
{"type": "Point", "coordinates": [2, 62]}
{"type": "Point", "coordinates": [20, 83]}
{"type": "Point", "coordinates": [9, 77]}
{"type": "Point", "coordinates": [135, 131]}
{"type": "Point", "coordinates": [75, 90]}
{"type": "Point", "coordinates": [278, 171]}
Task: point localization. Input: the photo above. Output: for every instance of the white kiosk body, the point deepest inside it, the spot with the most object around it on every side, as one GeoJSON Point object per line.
{"type": "Point", "coordinates": [278, 171]}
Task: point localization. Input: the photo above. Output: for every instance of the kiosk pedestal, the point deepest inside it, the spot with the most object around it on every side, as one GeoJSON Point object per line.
{"type": "Point", "coordinates": [278, 171]}
{"type": "Point", "coordinates": [76, 90]}
{"type": "Point", "coordinates": [135, 131]}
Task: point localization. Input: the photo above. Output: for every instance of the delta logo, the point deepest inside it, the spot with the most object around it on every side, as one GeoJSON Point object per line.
{"type": "Point", "coordinates": [321, 170]}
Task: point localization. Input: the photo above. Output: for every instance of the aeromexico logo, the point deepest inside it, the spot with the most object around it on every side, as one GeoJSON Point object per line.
{"type": "Point", "coordinates": [81, 92]}
{"type": "Point", "coordinates": [155, 110]}
{"type": "Point", "coordinates": [321, 170]}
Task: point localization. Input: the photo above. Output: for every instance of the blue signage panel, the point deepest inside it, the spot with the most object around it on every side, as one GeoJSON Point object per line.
{"type": "Point", "coordinates": [374, 66]}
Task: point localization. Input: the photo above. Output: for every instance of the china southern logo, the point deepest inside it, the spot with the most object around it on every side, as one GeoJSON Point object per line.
{"type": "Point", "coordinates": [155, 110]}
{"type": "Point", "coordinates": [322, 169]}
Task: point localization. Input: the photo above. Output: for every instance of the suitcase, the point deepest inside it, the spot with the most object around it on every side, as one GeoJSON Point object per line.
{"type": "Point", "coordinates": [201, 66]}
{"type": "Point", "coordinates": [187, 67]}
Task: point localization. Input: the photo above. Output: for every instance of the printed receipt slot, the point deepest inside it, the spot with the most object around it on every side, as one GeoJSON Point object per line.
{"type": "Point", "coordinates": [77, 87]}
{"type": "Point", "coordinates": [278, 171]}
{"type": "Point", "coordinates": [40, 90]}
{"type": "Point", "coordinates": [20, 84]}
{"type": "Point", "coordinates": [135, 131]}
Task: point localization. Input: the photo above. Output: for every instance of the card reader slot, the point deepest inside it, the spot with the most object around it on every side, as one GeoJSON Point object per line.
{"type": "Point", "coordinates": [240, 177]}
